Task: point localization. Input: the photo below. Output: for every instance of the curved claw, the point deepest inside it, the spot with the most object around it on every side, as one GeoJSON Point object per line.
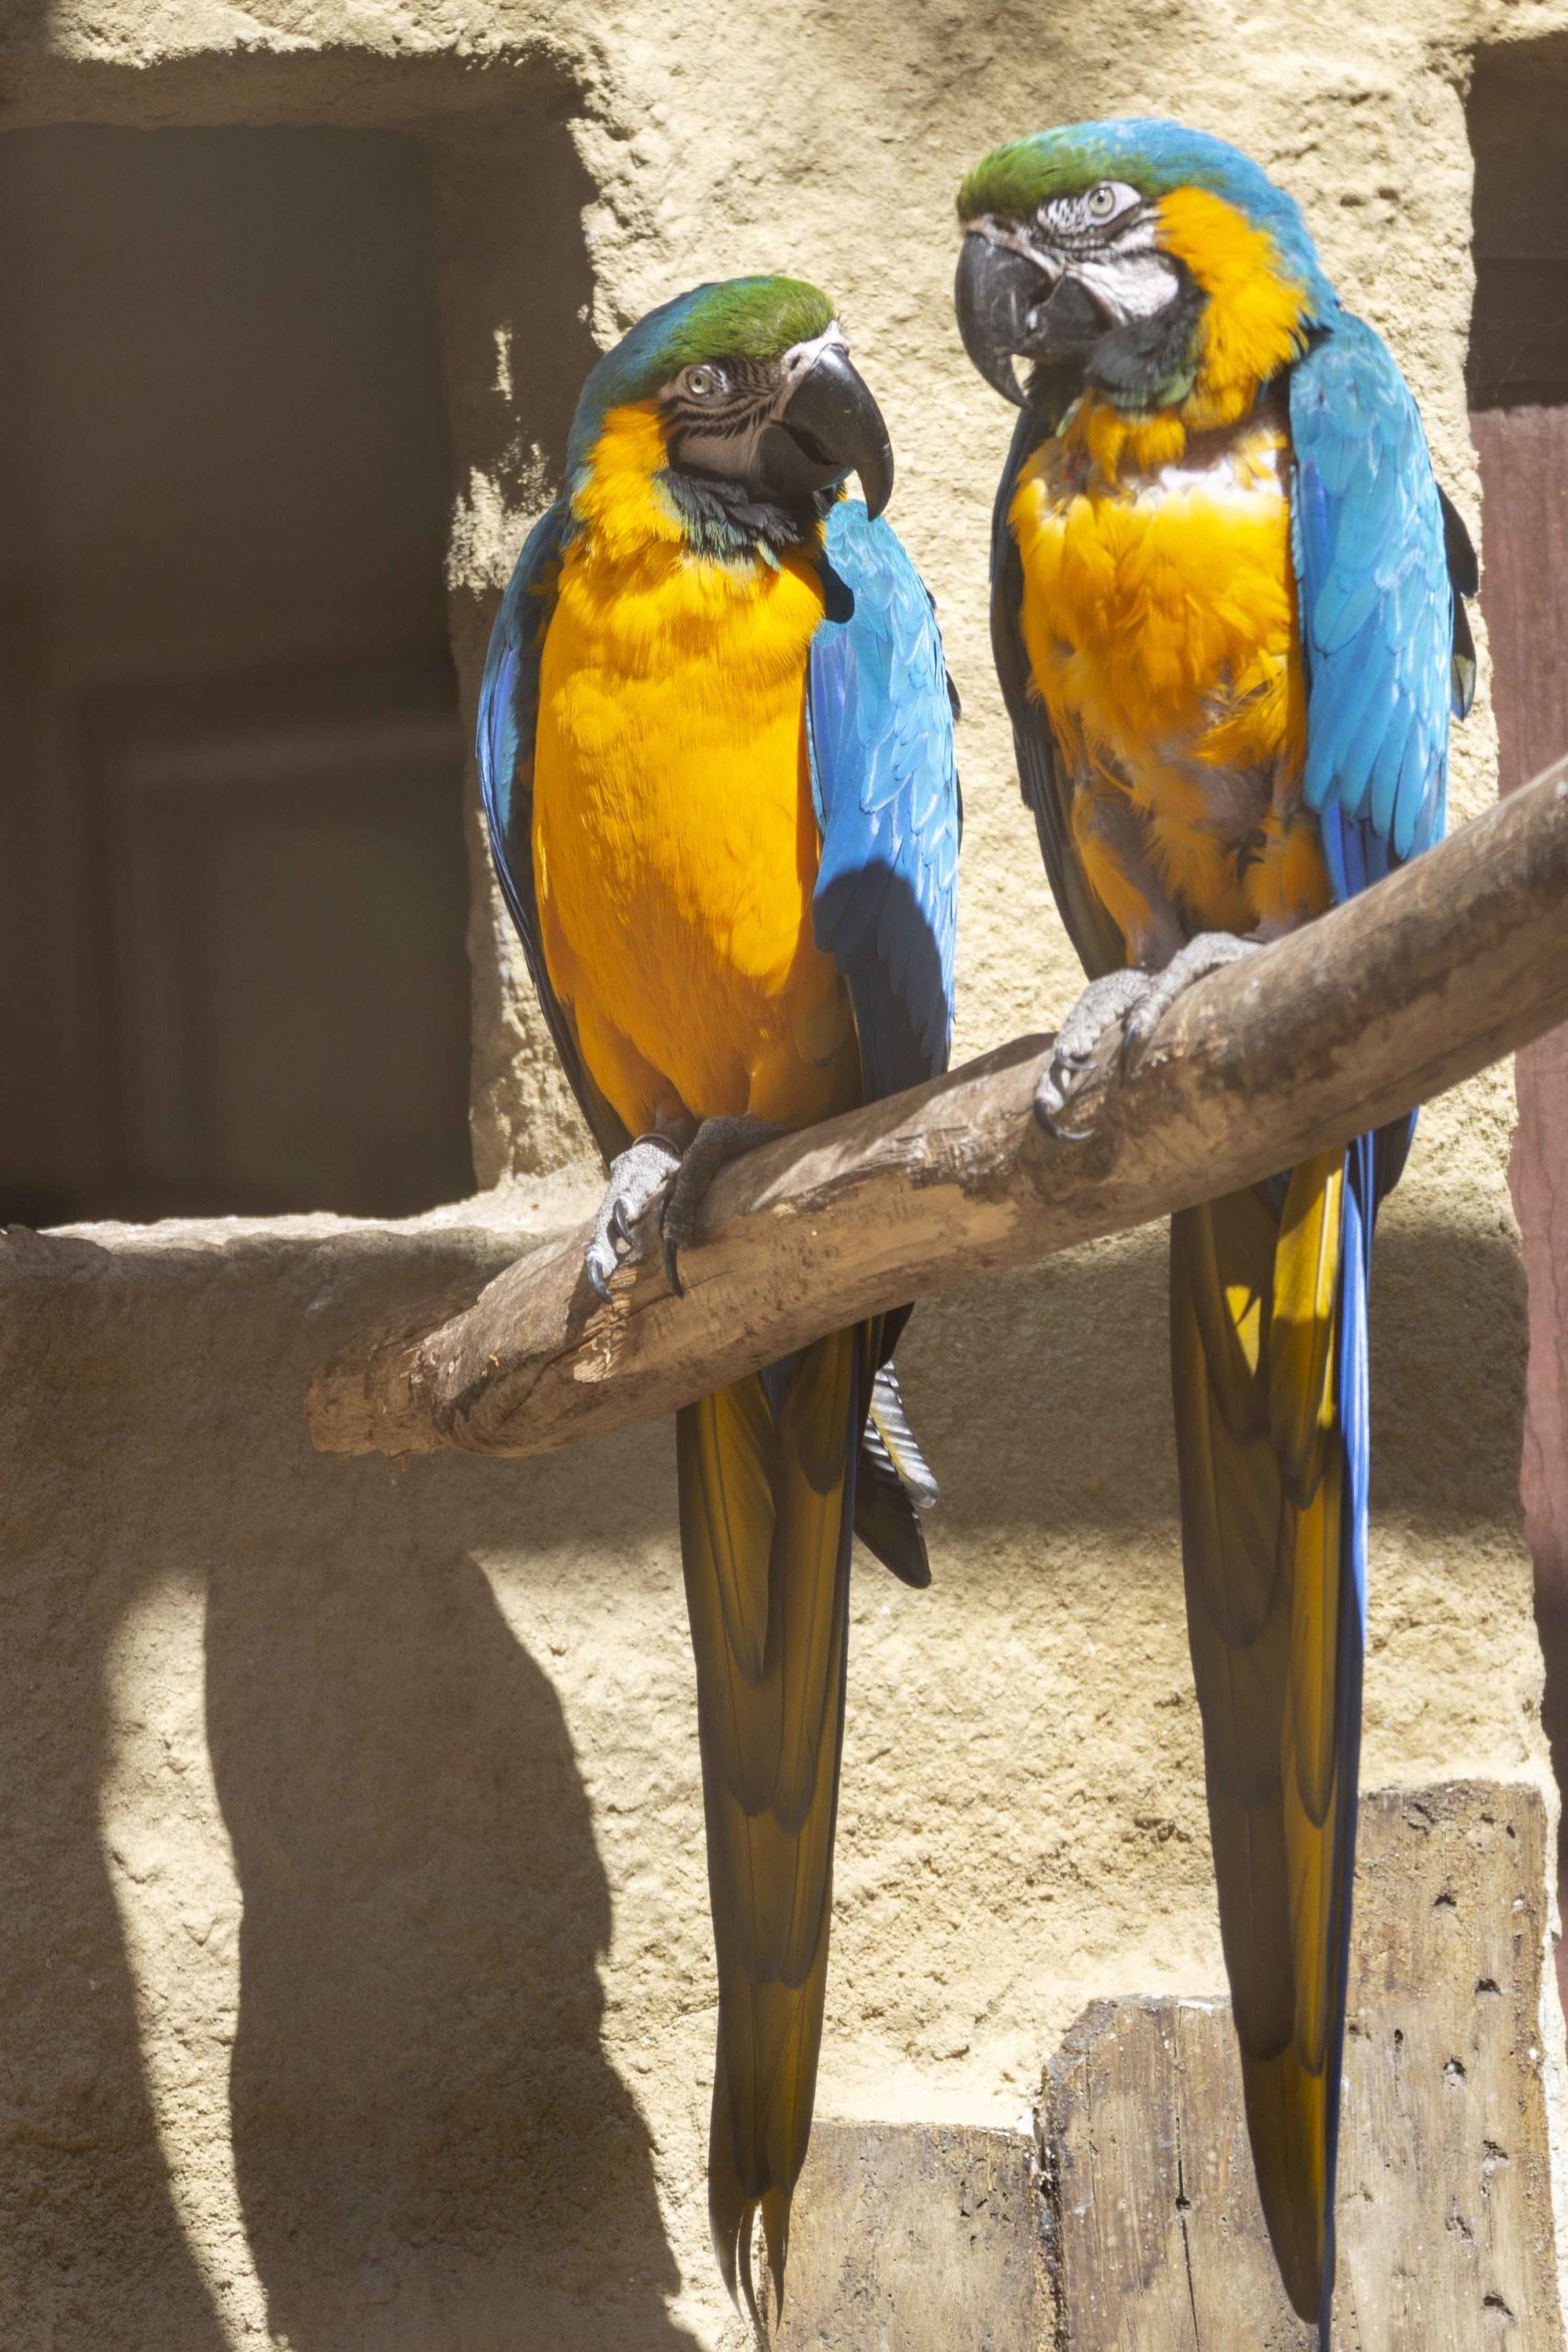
{"type": "Point", "coordinates": [715, 1143]}
{"type": "Point", "coordinates": [638, 1175]}
{"type": "Point", "coordinates": [1134, 1039]}
{"type": "Point", "coordinates": [1113, 998]}
{"type": "Point", "coordinates": [1052, 1096]}
{"type": "Point", "coordinates": [1050, 1122]}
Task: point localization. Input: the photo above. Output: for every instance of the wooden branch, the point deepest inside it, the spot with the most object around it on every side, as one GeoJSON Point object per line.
{"type": "Point", "coordinates": [1410, 988]}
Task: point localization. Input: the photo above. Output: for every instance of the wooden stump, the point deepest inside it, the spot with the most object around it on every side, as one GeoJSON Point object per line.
{"type": "Point", "coordinates": [1135, 2226]}
{"type": "Point", "coordinates": [1446, 2239]}
{"type": "Point", "coordinates": [917, 2238]}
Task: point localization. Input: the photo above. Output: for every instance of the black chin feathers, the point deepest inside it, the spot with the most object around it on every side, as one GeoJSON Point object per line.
{"type": "Point", "coordinates": [1151, 363]}
{"type": "Point", "coordinates": [727, 519]}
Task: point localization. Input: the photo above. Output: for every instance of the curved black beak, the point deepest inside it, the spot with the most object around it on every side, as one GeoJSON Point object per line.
{"type": "Point", "coordinates": [1011, 307]}
{"type": "Point", "coordinates": [829, 426]}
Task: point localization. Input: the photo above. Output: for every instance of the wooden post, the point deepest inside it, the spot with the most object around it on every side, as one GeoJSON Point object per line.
{"type": "Point", "coordinates": [1445, 2217]}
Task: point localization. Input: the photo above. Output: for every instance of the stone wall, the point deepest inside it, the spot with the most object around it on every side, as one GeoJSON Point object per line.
{"type": "Point", "coordinates": [355, 1951]}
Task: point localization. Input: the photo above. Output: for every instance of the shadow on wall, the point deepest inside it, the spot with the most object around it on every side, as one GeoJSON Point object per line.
{"type": "Point", "coordinates": [1444, 1450]}
{"type": "Point", "coordinates": [28, 26]}
{"type": "Point", "coordinates": [430, 2146]}
{"type": "Point", "coordinates": [516, 340]}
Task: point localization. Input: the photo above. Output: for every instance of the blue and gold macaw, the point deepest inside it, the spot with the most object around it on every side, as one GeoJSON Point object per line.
{"type": "Point", "coordinates": [1225, 619]}
{"type": "Point", "coordinates": [716, 748]}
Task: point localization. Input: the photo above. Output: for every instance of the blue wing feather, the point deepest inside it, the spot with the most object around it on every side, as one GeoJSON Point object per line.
{"type": "Point", "coordinates": [509, 696]}
{"type": "Point", "coordinates": [1377, 604]}
{"type": "Point", "coordinates": [508, 715]}
{"type": "Point", "coordinates": [885, 785]}
{"type": "Point", "coordinates": [1383, 565]}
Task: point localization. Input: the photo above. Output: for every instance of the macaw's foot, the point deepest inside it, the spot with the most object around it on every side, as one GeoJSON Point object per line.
{"type": "Point", "coordinates": [1103, 1003]}
{"type": "Point", "coordinates": [715, 1143]}
{"type": "Point", "coordinates": [1138, 1000]}
{"type": "Point", "coordinates": [1208, 953]}
{"type": "Point", "coordinates": [638, 1175]}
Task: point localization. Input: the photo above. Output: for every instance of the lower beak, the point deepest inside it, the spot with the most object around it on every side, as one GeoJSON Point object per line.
{"type": "Point", "coordinates": [1009, 307]}
{"type": "Point", "coordinates": [828, 427]}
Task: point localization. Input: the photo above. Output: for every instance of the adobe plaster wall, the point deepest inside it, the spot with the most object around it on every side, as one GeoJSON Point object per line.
{"type": "Point", "coordinates": [354, 1955]}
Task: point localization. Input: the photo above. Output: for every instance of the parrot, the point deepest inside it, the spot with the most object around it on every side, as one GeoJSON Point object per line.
{"type": "Point", "coordinates": [715, 756]}
{"type": "Point", "coordinates": [1228, 619]}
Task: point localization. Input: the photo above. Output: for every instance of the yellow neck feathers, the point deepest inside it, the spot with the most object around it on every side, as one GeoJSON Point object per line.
{"type": "Point", "coordinates": [651, 599]}
{"type": "Point", "coordinates": [619, 502]}
{"type": "Point", "coordinates": [1254, 325]}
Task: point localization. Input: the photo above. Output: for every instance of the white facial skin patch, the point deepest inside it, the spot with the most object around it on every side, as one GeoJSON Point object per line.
{"type": "Point", "coordinates": [1124, 270]}
{"type": "Point", "coordinates": [1128, 285]}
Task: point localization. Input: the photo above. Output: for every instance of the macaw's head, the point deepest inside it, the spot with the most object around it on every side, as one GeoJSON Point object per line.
{"type": "Point", "coordinates": [1157, 267]}
{"type": "Point", "coordinates": [751, 382]}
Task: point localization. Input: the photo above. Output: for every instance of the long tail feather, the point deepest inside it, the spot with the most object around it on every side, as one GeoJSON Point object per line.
{"type": "Point", "coordinates": [766, 1475]}
{"type": "Point", "coordinates": [1269, 1373]}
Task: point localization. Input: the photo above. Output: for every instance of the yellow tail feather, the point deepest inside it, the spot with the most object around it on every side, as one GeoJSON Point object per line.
{"type": "Point", "coordinates": [765, 1526]}
{"type": "Point", "coordinates": [1253, 1298]}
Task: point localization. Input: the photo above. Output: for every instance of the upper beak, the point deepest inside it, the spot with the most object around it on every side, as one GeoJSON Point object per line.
{"type": "Point", "coordinates": [828, 426]}
{"type": "Point", "coordinates": [1011, 306]}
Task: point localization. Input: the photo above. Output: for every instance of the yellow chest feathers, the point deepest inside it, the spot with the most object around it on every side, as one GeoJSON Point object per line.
{"type": "Point", "coordinates": [1159, 602]}
{"type": "Point", "coordinates": [675, 842]}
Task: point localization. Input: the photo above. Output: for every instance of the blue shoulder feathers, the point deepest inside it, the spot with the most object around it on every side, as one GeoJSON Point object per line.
{"type": "Point", "coordinates": [880, 729]}
{"type": "Point", "coordinates": [1378, 615]}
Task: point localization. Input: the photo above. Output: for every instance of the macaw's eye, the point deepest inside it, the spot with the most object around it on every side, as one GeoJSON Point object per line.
{"type": "Point", "coordinates": [705, 383]}
{"type": "Point", "coordinates": [1102, 201]}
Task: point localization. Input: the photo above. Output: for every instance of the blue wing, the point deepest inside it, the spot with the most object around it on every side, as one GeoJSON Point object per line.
{"type": "Point", "coordinates": [1386, 646]}
{"type": "Point", "coordinates": [509, 706]}
{"type": "Point", "coordinates": [880, 731]}
{"type": "Point", "coordinates": [1383, 564]}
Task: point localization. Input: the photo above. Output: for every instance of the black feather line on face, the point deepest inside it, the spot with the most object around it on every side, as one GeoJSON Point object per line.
{"type": "Point", "coordinates": [752, 388]}
{"type": "Point", "coordinates": [720, 421]}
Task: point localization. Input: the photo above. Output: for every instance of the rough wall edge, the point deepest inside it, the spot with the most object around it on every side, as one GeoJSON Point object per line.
{"type": "Point", "coordinates": [230, 77]}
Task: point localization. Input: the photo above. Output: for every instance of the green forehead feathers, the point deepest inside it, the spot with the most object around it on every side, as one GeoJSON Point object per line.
{"type": "Point", "coordinates": [747, 318]}
{"type": "Point", "coordinates": [1015, 180]}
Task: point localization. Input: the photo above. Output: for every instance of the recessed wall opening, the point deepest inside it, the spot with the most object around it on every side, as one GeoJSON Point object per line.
{"type": "Point", "coordinates": [1518, 399]}
{"type": "Point", "coordinates": [232, 897]}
